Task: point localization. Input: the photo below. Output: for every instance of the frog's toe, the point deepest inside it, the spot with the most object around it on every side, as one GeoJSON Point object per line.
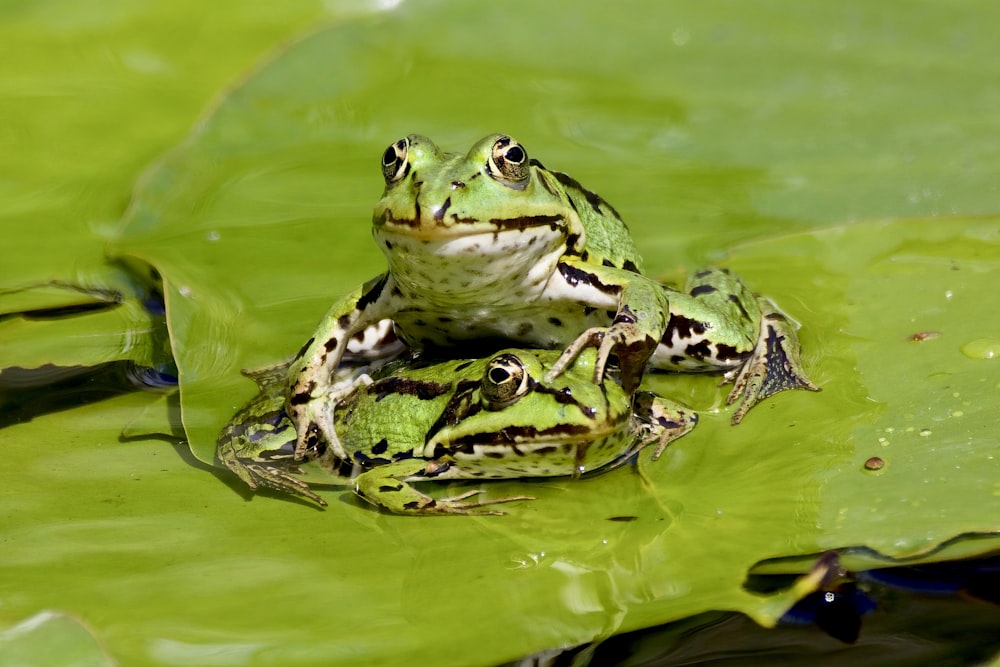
{"type": "Point", "coordinates": [592, 337]}
{"type": "Point", "coordinates": [268, 475]}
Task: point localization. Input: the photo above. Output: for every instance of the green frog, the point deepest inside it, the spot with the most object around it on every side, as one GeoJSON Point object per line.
{"type": "Point", "coordinates": [490, 418]}
{"type": "Point", "coordinates": [491, 245]}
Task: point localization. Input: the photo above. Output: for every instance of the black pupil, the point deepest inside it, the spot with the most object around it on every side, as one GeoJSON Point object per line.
{"type": "Point", "coordinates": [515, 154]}
{"type": "Point", "coordinates": [499, 375]}
{"type": "Point", "coordinates": [389, 156]}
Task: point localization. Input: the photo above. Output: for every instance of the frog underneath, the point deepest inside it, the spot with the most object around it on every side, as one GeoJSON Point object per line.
{"type": "Point", "coordinates": [492, 245]}
{"type": "Point", "coordinates": [491, 418]}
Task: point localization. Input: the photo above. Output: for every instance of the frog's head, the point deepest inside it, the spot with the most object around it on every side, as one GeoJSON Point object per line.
{"type": "Point", "coordinates": [513, 412]}
{"type": "Point", "coordinates": [493, 188]}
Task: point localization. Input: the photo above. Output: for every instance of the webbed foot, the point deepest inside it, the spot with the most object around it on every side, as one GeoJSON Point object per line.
{"type": "Point", "coordinates": [773, 366]}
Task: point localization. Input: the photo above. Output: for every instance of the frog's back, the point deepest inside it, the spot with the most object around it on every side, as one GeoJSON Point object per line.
{"type": "Point", "coordinates": [608, 240]}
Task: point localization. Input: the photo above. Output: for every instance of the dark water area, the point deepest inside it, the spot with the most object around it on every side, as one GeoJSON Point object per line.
{"type": "Point", "coordinates": [940, 614]}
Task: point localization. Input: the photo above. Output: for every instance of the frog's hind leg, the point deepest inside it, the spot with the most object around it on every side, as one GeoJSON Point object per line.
{"type": "Point", "coordinates": [773, 366]}
{"type": "Point", "coordinates": [386, 486]}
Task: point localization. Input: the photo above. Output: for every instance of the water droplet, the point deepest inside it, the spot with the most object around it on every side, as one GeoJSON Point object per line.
{"type": "Point", "coordinates": [982, 348]}
{"type": "Point", "coordinates": [924, 432]}
{"type": "Point", "coordinates": [957, 413]}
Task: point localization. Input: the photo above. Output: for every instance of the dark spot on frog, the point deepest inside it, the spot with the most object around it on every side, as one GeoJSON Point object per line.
{"type": "Point", "coordinates": [545, 451]}
{"type": "Point", "coordinates": [524, 329]}
{"type": "Point", "coordinates": [304, 348]}
{"type": "Point", "coordinates": [465, 364]}
{"type": "Point", "coordinates": [571, 242]}
{"type": "Point", "coordinates": [703, 289]}
{"type": "Point", "coordinates": [300, 398]}
{"type": "Point", "coordinates": [703, 274]}
{"type": "Point", "coordinates": [629, 265]}
{"type": "Point", "coordinates": [388, 245]}
{"type": "Point", "coordinates": [623, 517]}
{"type": "Point", "coordinates": [683, 327]}
{"type": "Point", "coordinates": [344, 321]}
{"type": "Point", "coordinates": [587, 310]}
{"type": "Point", "coordinates": [380, 447]}
{"type": "Point", "coordinates": [774, 317]}
{"type": "Point", "coordinates": [584, 256]}
{"type": "Point", "coordinates": [444, 320]}
{"type": "Point", "coordinates": [725, 352]}
{"type": "Point", "coordinates": [419, 322]}
{"type": "Point", "coordinates": [331, 344]}
{"type": "Point", "coordinates": [390, 488]}
{"type": "Point", "coordinates": [555, 321]}
{"type": "Point", "coordinates": [677, 359]}
{"type": "Point", "coordinates": [608, 262]}
{"type": "Point", "coordinates": [699, 350]}
{"type": "Point", "coordinates": [624, 317]}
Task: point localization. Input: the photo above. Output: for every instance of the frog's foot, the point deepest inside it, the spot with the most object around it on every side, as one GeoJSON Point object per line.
{"type": "Point", "coordinates": [273, 473]}
{"type": "Point", "coordinates": [773, 366]}
{"type": "Point", "coordinates": [623, 339]}
{"type": "Point", "coordinates": [385, 486]}
{"type": "Point", "coordinates": [655, 419]}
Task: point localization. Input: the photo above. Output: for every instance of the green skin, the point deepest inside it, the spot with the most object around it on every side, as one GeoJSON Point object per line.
{"type": "Point", "coordinates": [491, 245]}
{"type": "Point", "coordinates": [492, 418]}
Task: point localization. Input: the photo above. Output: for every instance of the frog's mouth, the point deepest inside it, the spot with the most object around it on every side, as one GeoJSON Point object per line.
{"type": "Point", "coordinates": [441, 225]}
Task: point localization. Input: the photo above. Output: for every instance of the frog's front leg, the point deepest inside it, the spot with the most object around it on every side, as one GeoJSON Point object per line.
{"type": "Point", "coordinates": [641, 309]}
{"type": "Point", "coordinates": [657, 419]}
{"type": "Point", "coordinates": [385, 486]}
{"type": "Point", "coordinates": [774, 364]}
{"type": "Point", "coordinates": [312, 395]}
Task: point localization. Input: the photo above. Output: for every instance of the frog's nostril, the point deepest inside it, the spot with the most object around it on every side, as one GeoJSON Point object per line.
{"type": "Point", "coordinates": [457, 184]}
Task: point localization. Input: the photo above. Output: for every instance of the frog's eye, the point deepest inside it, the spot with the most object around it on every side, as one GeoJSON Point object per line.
{"type": "Point", "coordinates": [504, 382]}
{"type": "Point", "coordinates": [395, 162]}
{"type": "Point", "coordinates": [508, 163]}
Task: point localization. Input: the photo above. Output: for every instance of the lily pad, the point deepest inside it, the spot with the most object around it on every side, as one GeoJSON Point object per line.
{"type": "Point", "coordinates": [738, 126]}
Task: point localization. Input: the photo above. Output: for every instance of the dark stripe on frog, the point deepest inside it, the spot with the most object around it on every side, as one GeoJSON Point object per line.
{"type": "Point", "coordinates": [564, 396]}
{"type": "Point", "coordinates": [439, 214]}
{"type": "Point", "coordinates": [739, 304]}
{"type": "Point", "coordinates": [304, 348]}
{"type": "Point", "coordinates": [520, 223]}
{"type": "Point", "coordinates": [374, 291]}
{"type": "Point", "coordinates": [699, 350]}
{"type": "Point", "coordinates": [595, 200]}
{"type": "Point", "coordinates": [459, 406]}
{"type": "Point", "coordinates": [422, 389]}
{"type": "Point", "coordinates": [575, 275]}
{"type": "Point", "coordinates": [510, 436]}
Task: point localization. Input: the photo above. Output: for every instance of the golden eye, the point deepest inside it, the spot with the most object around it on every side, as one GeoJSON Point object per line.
{"type": "Point", "coordinates": [395, 161]}
{"type": "Point", "coordinates": [508, 163]}
{"type": "Point", "coordinates": [504, 381]}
